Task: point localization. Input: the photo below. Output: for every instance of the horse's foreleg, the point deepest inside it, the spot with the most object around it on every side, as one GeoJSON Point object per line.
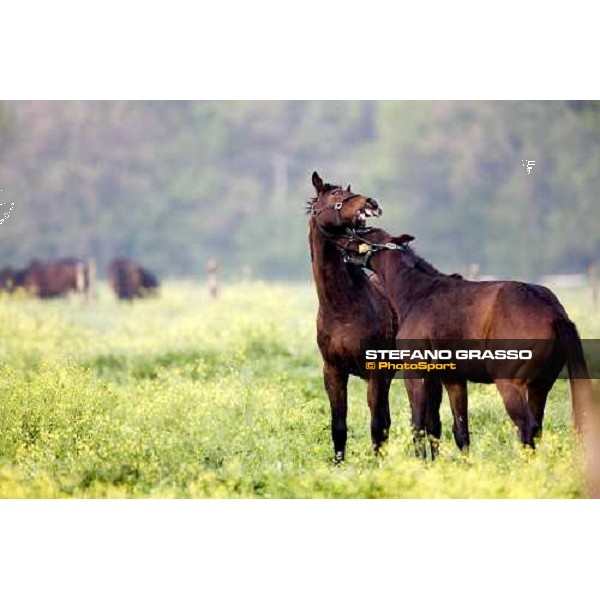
{"type": "Point", "coordinates": [378, 390]}
{"type": "Point", "coordinates": [433, 389]}
{"type": "Point", "coordinates": [417, 398]}
{"type": "Point", "coordinates": [518, 410]}
{"type": "Point", "coordinates": [457, 395]}
{"type": "Point", "coordinates": [336, 385]}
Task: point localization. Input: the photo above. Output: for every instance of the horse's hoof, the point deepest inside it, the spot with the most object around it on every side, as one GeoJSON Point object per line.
{"type": "Point", "coordinates": [339, 458]}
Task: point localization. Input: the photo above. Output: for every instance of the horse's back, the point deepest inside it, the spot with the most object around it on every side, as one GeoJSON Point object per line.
{"type": "Point", "coordinates": [456, 308]}
{"type": "Point", "coordinates": [526, 311]}
{"type": "Point", "coordinates": [480, 310]}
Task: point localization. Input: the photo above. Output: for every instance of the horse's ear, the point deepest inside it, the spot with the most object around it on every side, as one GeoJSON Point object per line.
{"type": "Point", "coordinates": [405, 238]}
{"type": "Point", "coordinates": [317, 182]}
{"type": "Point", "coordinates": [348, 188]}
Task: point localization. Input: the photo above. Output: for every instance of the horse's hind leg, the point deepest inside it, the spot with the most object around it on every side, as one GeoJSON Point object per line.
{"type": "Point", "coordinates": [378, 390]}
{"type": "Point", "coordinates": [459, 404]}
{"type": "Point", "coordinates": [518, 410]}
{"type": "Point", "coordinates": [433, 425]}
{"type": "Point", "coordinates": [336, 384]}
{"type": "Point", "coordinates": [388, 416]}
{"type": "Point", "coordinates": [417, 398]}
{"type": "Point", "coordinates": [537, 394]}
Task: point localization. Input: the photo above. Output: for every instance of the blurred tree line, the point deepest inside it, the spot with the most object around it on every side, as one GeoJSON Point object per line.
{"type": "Point", "coordinates": [173, 183]}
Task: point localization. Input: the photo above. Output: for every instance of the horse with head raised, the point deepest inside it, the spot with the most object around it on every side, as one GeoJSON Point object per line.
{"type": "Point", "coordinates": [435, 307]}
{"type": "Point", "coordinates": [351, 308]}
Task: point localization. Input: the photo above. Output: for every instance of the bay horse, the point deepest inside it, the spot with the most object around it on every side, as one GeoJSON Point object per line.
{"type": "Point", "coordinates": [433, 306]}
{"type": "Point", "coordinates": [54, 279]}
{"type": "Point", "coordinates": [352, 308]}
{"type": "Point", "coordinates": [130, 280]}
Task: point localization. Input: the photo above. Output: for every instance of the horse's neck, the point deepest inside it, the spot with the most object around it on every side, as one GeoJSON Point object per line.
{"type": "Point", "coordinates": [403, 285]}
{"type": "Point", "coordinates": [334, 284]}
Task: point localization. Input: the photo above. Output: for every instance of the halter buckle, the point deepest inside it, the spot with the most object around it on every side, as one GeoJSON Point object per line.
{"type": "Point", "coordinates": [338, 205]}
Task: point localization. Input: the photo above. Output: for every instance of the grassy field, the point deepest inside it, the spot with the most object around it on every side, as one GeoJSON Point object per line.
{"type": "Point", "coordinates": [180, 397]}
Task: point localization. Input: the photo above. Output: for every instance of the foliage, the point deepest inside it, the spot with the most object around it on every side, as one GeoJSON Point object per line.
{"type": "Point", "coordinates": [173, 183]}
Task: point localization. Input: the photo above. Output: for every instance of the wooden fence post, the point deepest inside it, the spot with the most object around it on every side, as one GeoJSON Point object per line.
{"type": "Point", "coordinates": [80, 277]}
{"type": "Point", "coordinates": [593, 277]}
{"type": "Point", "coordinates": [91, 287]}
{"type": "Point", "coordinates": [212, 277]}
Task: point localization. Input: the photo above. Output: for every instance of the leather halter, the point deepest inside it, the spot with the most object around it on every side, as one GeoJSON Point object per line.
{"type": "Point", "coordinates": [366, 249]}
{"type": "Point", "coordinates": [337, 207]}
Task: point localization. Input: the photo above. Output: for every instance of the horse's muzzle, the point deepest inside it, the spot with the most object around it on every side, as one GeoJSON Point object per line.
{"type": "Point", "coordinates": [372, 209]}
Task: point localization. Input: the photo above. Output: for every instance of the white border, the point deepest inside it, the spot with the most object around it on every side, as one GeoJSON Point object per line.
{"type": "Point", "coordinates": [298, 549]}
{"type": "Point", "coordinates": [324, 49]}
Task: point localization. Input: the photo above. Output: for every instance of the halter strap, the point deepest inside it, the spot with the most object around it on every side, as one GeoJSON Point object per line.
{"type": "Point", "coordinates": [337, 207]}
{"type": "Point", "coordinates": [366, 249]}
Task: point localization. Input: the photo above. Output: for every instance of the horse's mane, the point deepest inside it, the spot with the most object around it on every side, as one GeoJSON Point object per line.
{"type": "Point", "coordinates": [426, 267]}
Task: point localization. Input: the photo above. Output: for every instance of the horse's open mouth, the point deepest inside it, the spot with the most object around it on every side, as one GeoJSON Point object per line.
{"type": "Point", "coordinates": [368, 211]}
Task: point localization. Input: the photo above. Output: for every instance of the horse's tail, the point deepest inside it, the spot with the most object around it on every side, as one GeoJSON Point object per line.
{"type": "Point", "coordinates": [581, 388]}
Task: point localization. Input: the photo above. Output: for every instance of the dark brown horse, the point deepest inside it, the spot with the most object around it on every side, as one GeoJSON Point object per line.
{"type": "Point", "coordinates": [351, 309]}
{"type": "Point", "coordinates": [48, 279]}
{"type": "Point", "coordinates": [433, 306]}
{"type": "Point", "coordinates": [129, 280]}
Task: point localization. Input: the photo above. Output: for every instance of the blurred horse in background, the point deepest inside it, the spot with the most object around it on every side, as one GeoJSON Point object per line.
{"type": "Point", "coordinates": [11, 279]}
{"type": "Point", "coordinates": [48, 279]}
{"type": "Point", "coordinates": [57, 279]}
{"type": "Point", "coordinates": [130, 280]}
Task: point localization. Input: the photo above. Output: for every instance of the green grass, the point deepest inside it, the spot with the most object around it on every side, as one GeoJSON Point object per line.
{"type": "Point", "coordinates": [180, 397]}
